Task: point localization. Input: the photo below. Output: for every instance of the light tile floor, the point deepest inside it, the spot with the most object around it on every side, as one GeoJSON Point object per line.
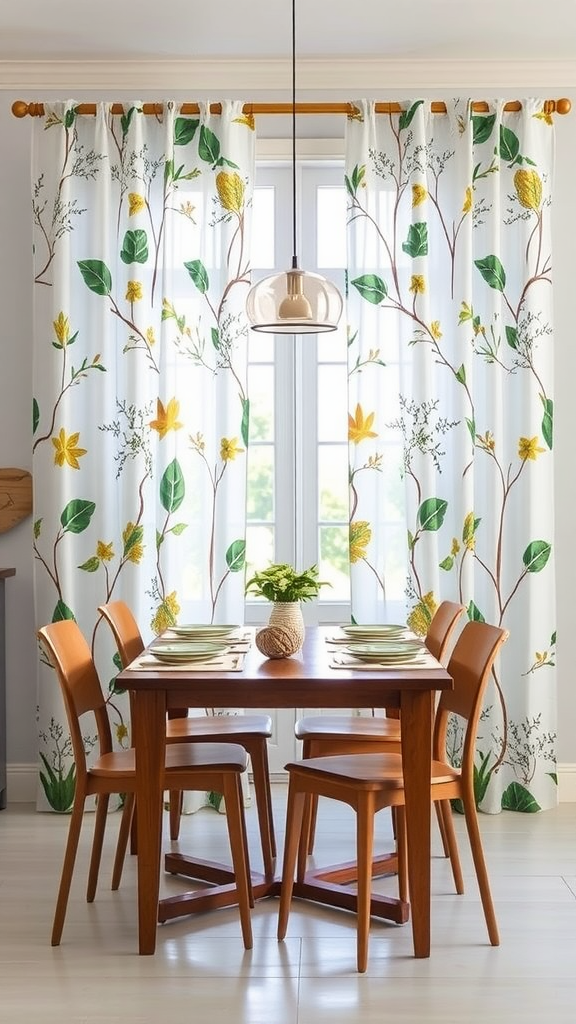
{"type": "Point", "coordinates": [201, 973]}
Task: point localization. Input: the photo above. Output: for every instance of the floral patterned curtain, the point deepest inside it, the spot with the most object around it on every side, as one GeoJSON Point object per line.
{"type": "Point", "coordinates": [451, 405]}
{"type": "Point", "coordinates": [141, 251]}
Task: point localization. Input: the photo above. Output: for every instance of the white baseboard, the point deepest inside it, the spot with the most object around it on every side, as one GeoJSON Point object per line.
{"type": "Point", "coordinates": [22, 783]}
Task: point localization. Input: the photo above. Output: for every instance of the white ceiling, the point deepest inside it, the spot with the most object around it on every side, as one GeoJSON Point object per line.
{"type": "Point", "coordinates": [67, 30]}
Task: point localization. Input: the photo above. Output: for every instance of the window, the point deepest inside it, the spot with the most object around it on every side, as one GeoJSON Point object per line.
{"type": "Point", "coordinates": [298, 456]}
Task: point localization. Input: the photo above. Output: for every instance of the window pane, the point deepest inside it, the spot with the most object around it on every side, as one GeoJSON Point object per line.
{"type": "Point", "coordinates": [331, 227]}
{"type": "Point", "coordinates": [333, 482]}
{"type": "Point", "coordinates": [259, 550]}
{"type": "Point", "coordinates": [260, 500]}
{"type": "Point", "coordinates": [261, 391]}
{"type": "Point", "coordinates": [262, 251]}
{"type": "Point", "coordinates": [333, 403]}
{"type": "Point", "coordinates": [333, 563]}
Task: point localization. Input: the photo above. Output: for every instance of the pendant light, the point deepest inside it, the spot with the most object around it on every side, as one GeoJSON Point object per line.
{"type": "Point", "coordinates": [294, 302]}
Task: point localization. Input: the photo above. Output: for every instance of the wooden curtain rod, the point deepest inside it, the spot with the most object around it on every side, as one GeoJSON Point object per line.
{"type": "Point", "coordinates": [20, 108]}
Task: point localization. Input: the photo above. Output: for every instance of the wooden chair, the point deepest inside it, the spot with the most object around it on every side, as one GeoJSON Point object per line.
{"type": "Point", "coordinates": [249, 731]}
{"type": "Point", "coordinates": [189, 766]}
{"type": "Point", "coordinates": [325, 735]}
{"type": "Point", "coordinates": [369, 782]}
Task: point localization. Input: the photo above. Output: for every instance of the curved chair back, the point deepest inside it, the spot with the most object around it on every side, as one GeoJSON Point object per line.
{"type": "Point", "coordinates": [442, 628]}
{"type": "Point", "coordinates": [125, 629]}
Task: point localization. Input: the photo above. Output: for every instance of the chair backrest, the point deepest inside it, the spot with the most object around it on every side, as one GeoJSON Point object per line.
{"type": "Point", "coordinates": [68, 652]}
{"type": "Point", "coordinates": [442, 628]}
{"type": "Point", "coordinates": [125, 629]}
{"type": "Point", "coordinates": [470, 666]}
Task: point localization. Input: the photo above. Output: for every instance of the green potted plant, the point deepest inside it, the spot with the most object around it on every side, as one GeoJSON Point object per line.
{"type": "Point", "coordinates": [286, 588]}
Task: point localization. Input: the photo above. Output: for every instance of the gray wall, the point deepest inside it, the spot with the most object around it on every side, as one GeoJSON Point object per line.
{"type": "Point", "coordinates": [16, 377]}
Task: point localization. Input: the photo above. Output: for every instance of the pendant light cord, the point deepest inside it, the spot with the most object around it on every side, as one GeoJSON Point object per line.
{"type": "Point", "coordinates": [294, 257]}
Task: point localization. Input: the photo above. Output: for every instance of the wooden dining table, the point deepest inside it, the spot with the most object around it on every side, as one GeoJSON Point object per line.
{"type": "Point", "coordinates": [305, 680]}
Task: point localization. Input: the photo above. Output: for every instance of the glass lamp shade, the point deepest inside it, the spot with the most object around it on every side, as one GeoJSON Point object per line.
{"type": "Point", "coordinates": [294, 302]}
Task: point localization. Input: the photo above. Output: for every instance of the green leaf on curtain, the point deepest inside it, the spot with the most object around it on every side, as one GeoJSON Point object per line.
{"type": "Point", "coordinates": [209, 146]}
{"type": "Point", "coordinates": [245, 424]}
{"type": "Point", "coordinates": [512, 337]}
{"type": "Point", "coordinates": [517, 798]}
{"type": "Point", "coordinates": [406, 116]}
{"type": "Point", "coordinates": [199, 275]}
{"type": "Point", "coordinates": [553, 638]}
{"type": "Point", "coordinates": [461, 374]}
{"type": "Point", "coordinates": [178, 529]}
{"type": "Point", "coordinates": [37, 527]}
{"type": "Point", "coordinates": [536, 555]}
{"type": "Point", "coordinates": [509, 144]}
{"type": "Point", "coordinates": [215, 335]}
{"type": "Point", "coordinates": [371, 287]}
{"type": "Point", "coordinates": [447, 563]}
{"type": "Point", "coordinates": [77, 515]}
{"type": "Point", "coordinates": [59, 788]}
{"type": "Point", "coordinates": [492, 271]}
{"type": "Point", "coordinates": [96, 275]}
{"type": "Point", "coordinates": [62, 612]}
{"type": "Point", "coordinates": [474, 613]}
{"type": "Point", "coordinates": [358, 175]}
{"type": "Point", "coordinates": [135, 247]}
{"type": "Point", "coordinates": [553, 776]}
{"type": "Point", "coordinates": [92, 565]}
{"type": "Point", "coordinates": [431, 513]}
{"type": "Point", "coordinates": [126, 120]}
{"type": "Point", "coordinates": [35, 415]}
{"type": "Point", "coordinates": [471, 427]}
{"type": "Point", "coordinates": [172, 487]}
{"type": "Point", "coordinates": [236, 555]}
{"type": "Point", "coordinates": [185, 130]}
{"type": "Point", "coordinates": [70, 117]}
{"type": "Point", "coordinates": [548, 421]}
{"type": "Point", "coordinates": [410, 541]}
{"type": "Point", "coordinates": [482, 776]}
{"type": "Point", "coordinates": [482, 127]}
{"type": "Point", "coordinates": [135, 537]}
{"type": "Point", "coordinates": [417, 242]}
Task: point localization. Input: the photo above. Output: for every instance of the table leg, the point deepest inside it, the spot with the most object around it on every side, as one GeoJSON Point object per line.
{"type": "Point", "coordinates": [149, 729]}
{"type": "Point", "coordinates": [416, 727]}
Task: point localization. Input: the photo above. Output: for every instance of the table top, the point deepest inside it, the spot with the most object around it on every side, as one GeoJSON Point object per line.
{"type": "Point", "coordinates": [305, 680]}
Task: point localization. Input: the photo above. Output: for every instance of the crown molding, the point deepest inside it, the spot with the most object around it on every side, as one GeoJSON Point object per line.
{"type": "Point", "coordinates": [369, 77]}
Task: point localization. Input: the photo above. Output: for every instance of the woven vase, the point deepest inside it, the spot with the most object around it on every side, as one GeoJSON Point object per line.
{"type": "Point", "coordinates": [288, 615]}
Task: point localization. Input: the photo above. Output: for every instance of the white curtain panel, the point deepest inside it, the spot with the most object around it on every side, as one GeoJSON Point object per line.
{"type": "Point", "coordinates": [451, 404]}
{"type": "Point", "coordinates": [141, 256]}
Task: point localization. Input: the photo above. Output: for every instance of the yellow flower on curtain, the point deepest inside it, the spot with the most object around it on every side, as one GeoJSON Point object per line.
{"type": "Point", "coordinates": [417, 284]}
{"type": "Point", "coordinates": [421, 615]}
{"type": "Point", "coordinates": [230, 189]}
{"type": "Point", "coordinates": [528, 185]}
{"type": "Point", "coordinates": [435, 330]}
{"type": "Point", "coordinates": [360, 537]}
{"type": "Point", "coordinates": [419, 195]}
{"type": "Point", "coordinates": [360, 427]}
{"type": "Point", "coordinates": [229, 449]}
{"type": "Point", "coordinates": [121, 733]}
{"type": "Point", "coordinates": [66, 449]}
{"type": "Point", "coordinates": [61, 327]}
{"type": "Point", "coordinates": [166, 418]}
{"type": "Point", "coordinates": [166, 614]}
{"type": "Point", "coordinates": [467, 200]}
{"type": "Point", "coordinates": [134, 291]}
{"type": "Point", "coordinates": [105, 552]}
{"type": "Point", "coordinates": [528, 448]}
{"type": "Point", "coordinates": [133, 546]}
{"type": "Point", "coordinates": [136, 203]}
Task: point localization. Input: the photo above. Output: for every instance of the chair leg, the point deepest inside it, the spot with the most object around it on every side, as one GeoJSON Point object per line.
{"type": "Point", "coordinates": [471, 816]}
{"type": "Point", "coordinates": [123, 836]}
{"type": "Point", "coordinates": [176, 797]}
{"type": "Point", "coordinates": [261, 775]}
{"type": "Point", "coordinates": [294, 815]}
{"type": "Point", "coordinates": [452, 845]}
{"type": "Point", "coordinates": [74, 830]}
{"type": "Point", "coordinates": [442, 808]}
{"type": "Point", "coordinates": [401, 853]}
{"type": "Point", "coordinates": [102, 801]}
{"type": "Point", "coordinates": [233, 796]}
{"type": "Point", "coordinates": [313, 816]}
{"type": "Point", "coordinates": [134, 832]}
{"type": "Point", "coordinates": [364, 852]}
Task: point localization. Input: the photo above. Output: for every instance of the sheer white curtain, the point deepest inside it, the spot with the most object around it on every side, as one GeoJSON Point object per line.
{"type": "Point", "coordinates": [451, 406]}
{"type": "Point", "coordinates": [141, 249]}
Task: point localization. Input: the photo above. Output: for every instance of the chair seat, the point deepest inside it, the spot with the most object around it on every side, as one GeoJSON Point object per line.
{"type": "Point", "coordinates": [368, 771]}
{"type": "Point", "coordinates": [327, 727]}
{"type": "Point", "coordinates": [219, 757]}
{"type": "Point", "coordinates": [236, 727]}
